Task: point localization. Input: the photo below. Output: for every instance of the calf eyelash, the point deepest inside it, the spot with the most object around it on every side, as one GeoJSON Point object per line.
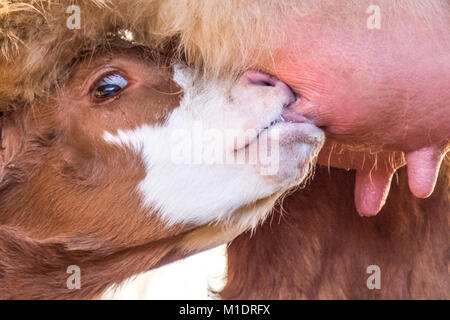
{"type": "Point", "coordinates": [110, 86]}
{"type": "Point", "coordinates": [114, 78]}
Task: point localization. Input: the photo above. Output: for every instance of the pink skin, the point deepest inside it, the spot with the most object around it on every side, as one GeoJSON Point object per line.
{"type": "Point", "coordinates": [384, 91]}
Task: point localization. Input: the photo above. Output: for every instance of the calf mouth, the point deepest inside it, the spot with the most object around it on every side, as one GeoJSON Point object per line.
{"type": "Point", "coordinates": [286, 121]}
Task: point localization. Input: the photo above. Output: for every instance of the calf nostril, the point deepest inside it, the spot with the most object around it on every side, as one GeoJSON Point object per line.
{"type": "Point", "coordinates": [285, 92]}
{"type": "Point", "coordinates": [261, 79]}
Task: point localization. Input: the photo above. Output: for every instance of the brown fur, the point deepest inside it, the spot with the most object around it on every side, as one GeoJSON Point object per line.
{"type": "Point", "coordinates": [319, 248]}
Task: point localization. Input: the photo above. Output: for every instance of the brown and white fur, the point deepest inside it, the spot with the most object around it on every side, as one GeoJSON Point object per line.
{"type": "Point", "coordinates": [91, 181]}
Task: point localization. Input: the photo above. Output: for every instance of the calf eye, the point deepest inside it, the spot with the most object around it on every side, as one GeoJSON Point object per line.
{"type": "Point", "coordinates": [110, 86]}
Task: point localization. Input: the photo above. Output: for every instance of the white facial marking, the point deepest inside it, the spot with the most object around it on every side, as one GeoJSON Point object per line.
{"type": "Point", "coordinates": [202, 193]}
